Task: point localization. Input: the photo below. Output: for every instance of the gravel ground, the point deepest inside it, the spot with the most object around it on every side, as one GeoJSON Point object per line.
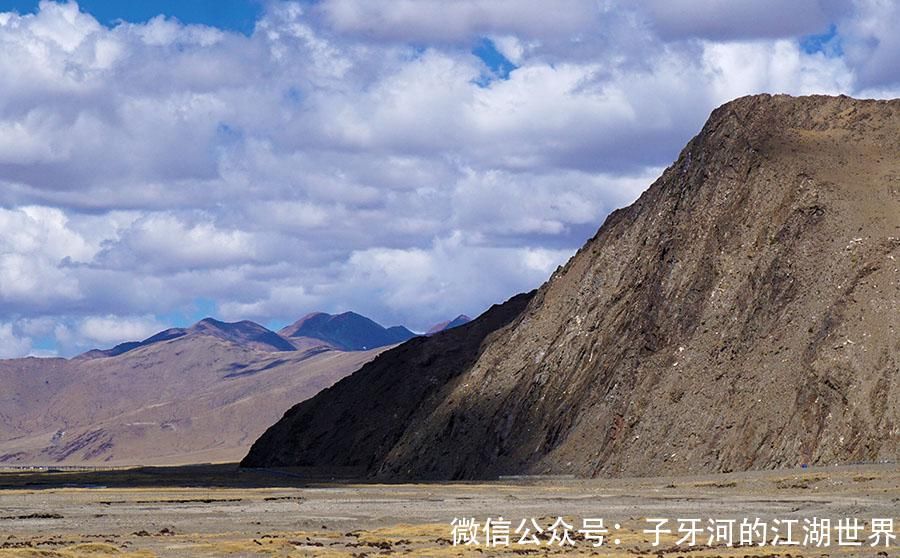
{"type": "Point", "coordinates": [262, 513]}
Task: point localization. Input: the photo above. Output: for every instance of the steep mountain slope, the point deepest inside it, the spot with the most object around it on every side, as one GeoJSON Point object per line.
{"type": "Point", "coordinates": [462, 319]}
{"type": "Point", "coordinates": [743, 313]}
{"type": "Point", "coordinates": [202, 395]}
{"type": "Point", "coordinates": [358, 420]}
{"type": "Point", "coordinates": [348, 331]}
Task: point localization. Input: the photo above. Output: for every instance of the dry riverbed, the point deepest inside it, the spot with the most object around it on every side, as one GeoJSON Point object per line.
{"type": "Point", "coordinates": [216, 511]}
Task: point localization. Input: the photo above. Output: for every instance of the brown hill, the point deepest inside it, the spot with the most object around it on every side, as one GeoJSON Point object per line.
{"type": "Point", "coordinates": [246, 333]}
{"type": "Point", "coordinates": [202, 395]}
{"type": "Point", "coordinates": [744, 313]}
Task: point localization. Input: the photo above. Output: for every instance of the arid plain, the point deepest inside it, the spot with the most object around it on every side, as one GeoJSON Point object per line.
{"type": "Point", "coordinates": [221, 511]}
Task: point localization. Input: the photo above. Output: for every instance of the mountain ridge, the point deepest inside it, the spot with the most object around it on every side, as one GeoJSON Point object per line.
{"type": "Point", "coordinates": [204, 391]}
{"type": "Point", "coordinates": [412, 374]}
{"type": "Point", "coordinates": [462, 319]}
{"type": "Point", "coordinates": [741, 314]}
{"type": "Point", "coordinates": [244, 331]}
{"type": "Point", "coordinates": [347, 331]}
{"type": "Point", "coordinates": [199, 396]}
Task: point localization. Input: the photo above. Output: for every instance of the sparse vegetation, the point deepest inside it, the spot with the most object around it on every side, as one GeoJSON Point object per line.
{"type": "Point", "coordinates": [244, 516]}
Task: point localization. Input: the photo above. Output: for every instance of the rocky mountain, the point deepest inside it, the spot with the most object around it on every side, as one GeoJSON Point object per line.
{"type": "Point", "coordinates": [363, 416]}
{"type": "Point", "coordinates": [348, 331]}
{"type": "Point", "coordinates": [462, 319]}
{"type": "Point", "coordinates": [185, 395]}
{"type": "Point", "coordinates": [743, 313]}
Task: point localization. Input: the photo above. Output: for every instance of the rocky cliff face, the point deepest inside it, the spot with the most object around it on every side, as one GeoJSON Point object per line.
{"type": "Point", "coordinates": [744, 313]}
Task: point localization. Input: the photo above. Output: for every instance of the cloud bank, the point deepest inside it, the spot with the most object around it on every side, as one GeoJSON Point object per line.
{"type": "Point", "coordinates": [362, 155]}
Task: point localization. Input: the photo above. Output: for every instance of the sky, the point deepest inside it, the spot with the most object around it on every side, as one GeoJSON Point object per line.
{"type": "Point", "coordinates": [409, 160]}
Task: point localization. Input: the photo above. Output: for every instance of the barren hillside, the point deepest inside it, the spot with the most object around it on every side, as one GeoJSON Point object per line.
{"type": "Point", "coordinates": [744, 313]}
{"type": "Point", "coordinates": [201, 396]}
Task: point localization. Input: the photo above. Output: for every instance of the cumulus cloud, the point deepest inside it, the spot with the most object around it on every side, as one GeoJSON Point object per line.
{"type": "Point", "coordinates": [872, 44]}
{"type": "Point", "coordinates": [360, 155]}
{"type": "Point", "coordinates": [728, 20]}
{"type": "Point", "coordinates": [418, 286]}
{"type": "Point", "coordinates": [778, 66]}
{"type": "Point", "coordinates": [163, 243]}
{"type": "Point", "coordinates": [110, 330]}
{"type": "Point", "coordinates": [436, 278]}
{"type": "Point", "coordinates": [431, 20]}
{"type": "Point", "coordinates": [11, 345]}
{"type": "Point", "coordinates": [36, 246]}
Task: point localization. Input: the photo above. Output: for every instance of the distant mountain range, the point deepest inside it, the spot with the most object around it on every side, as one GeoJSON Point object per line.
{"type": "Point", "coordinates": [246, 333]}
{"type": "Point", "coordinates": [462, 319]}
{"type": "Point", "coordinates": [348, 331]}
{"type": "Point", "coordinates": [198, 394]}
{"type": "Point", "coordinates": [184, 395]}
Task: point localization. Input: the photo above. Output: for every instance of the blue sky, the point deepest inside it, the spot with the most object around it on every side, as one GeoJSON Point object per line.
{"type": "Point", "coordinates": [236, 15]}
{"type": "Point", "coordinates": [232, 15]}
{"type": "Point", "coordinates": [408, 161]}
{"type": "Point", "coordinates": [827, 43]}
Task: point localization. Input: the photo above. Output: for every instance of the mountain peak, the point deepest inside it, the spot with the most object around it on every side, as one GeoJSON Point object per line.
{"type": "Point", "coordinates": [348, 331]}
{"type": "Point", "coordinates": [462, 319]}
{"type": "Point", "coordinates": [244, 333]}
{"type": "Point", "coordinates": [213, 323]}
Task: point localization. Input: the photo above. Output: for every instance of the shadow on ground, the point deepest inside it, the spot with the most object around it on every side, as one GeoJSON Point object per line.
{"type": "Point", "coordinates": [224, 475]}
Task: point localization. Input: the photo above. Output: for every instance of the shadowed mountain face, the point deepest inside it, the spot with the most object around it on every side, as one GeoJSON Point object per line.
{"type": "Point", "coordinates": [462, 319]}
{"type": "Point", "coordinates": [348, 331]}
{"type": "Point", "coordinates": [742, 314]}
{"type": "Point", "coordinates": [358, 421]}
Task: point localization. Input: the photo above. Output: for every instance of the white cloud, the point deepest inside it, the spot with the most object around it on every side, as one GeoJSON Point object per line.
{"type": "Point", "coordinates": [871, 42]}
{"type": "Point", "coordinates": [30, 284]}
{"type": "Point", "coordinates": [435, 20]}
{"type": "Point", "coordinates": [421, 286]}
{"type": "Point", "coordinates": [110, 330]}
{"type": "Point", "coordinates": [354, 155]}
{"type": "Point", "coordinates": [36, 246]}
{"type": "Point", "coordinates": [162, 242]}
{"type": "Point", "coordinates": [279, 300]}
{"type": "Point", "coordinates": [729, 20]}
{"type": "Point", "coordinates": [555, 203]}
{"type": "Point", "coordinates": [63, 25]}
{"type": "Point", "coordinates": [42, 232]}
{"type": "Point", "coordinates": [778, 67]}
{"type": "Point", "coordinates": [11, 345]}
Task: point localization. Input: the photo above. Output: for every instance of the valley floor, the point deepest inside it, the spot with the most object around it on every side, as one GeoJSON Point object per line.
{"type": "Point", "coordinates": [217, 511]}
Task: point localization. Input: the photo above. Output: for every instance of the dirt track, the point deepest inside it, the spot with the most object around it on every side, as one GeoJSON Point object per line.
{"type": "Point", "coordinates": [121, 513]}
